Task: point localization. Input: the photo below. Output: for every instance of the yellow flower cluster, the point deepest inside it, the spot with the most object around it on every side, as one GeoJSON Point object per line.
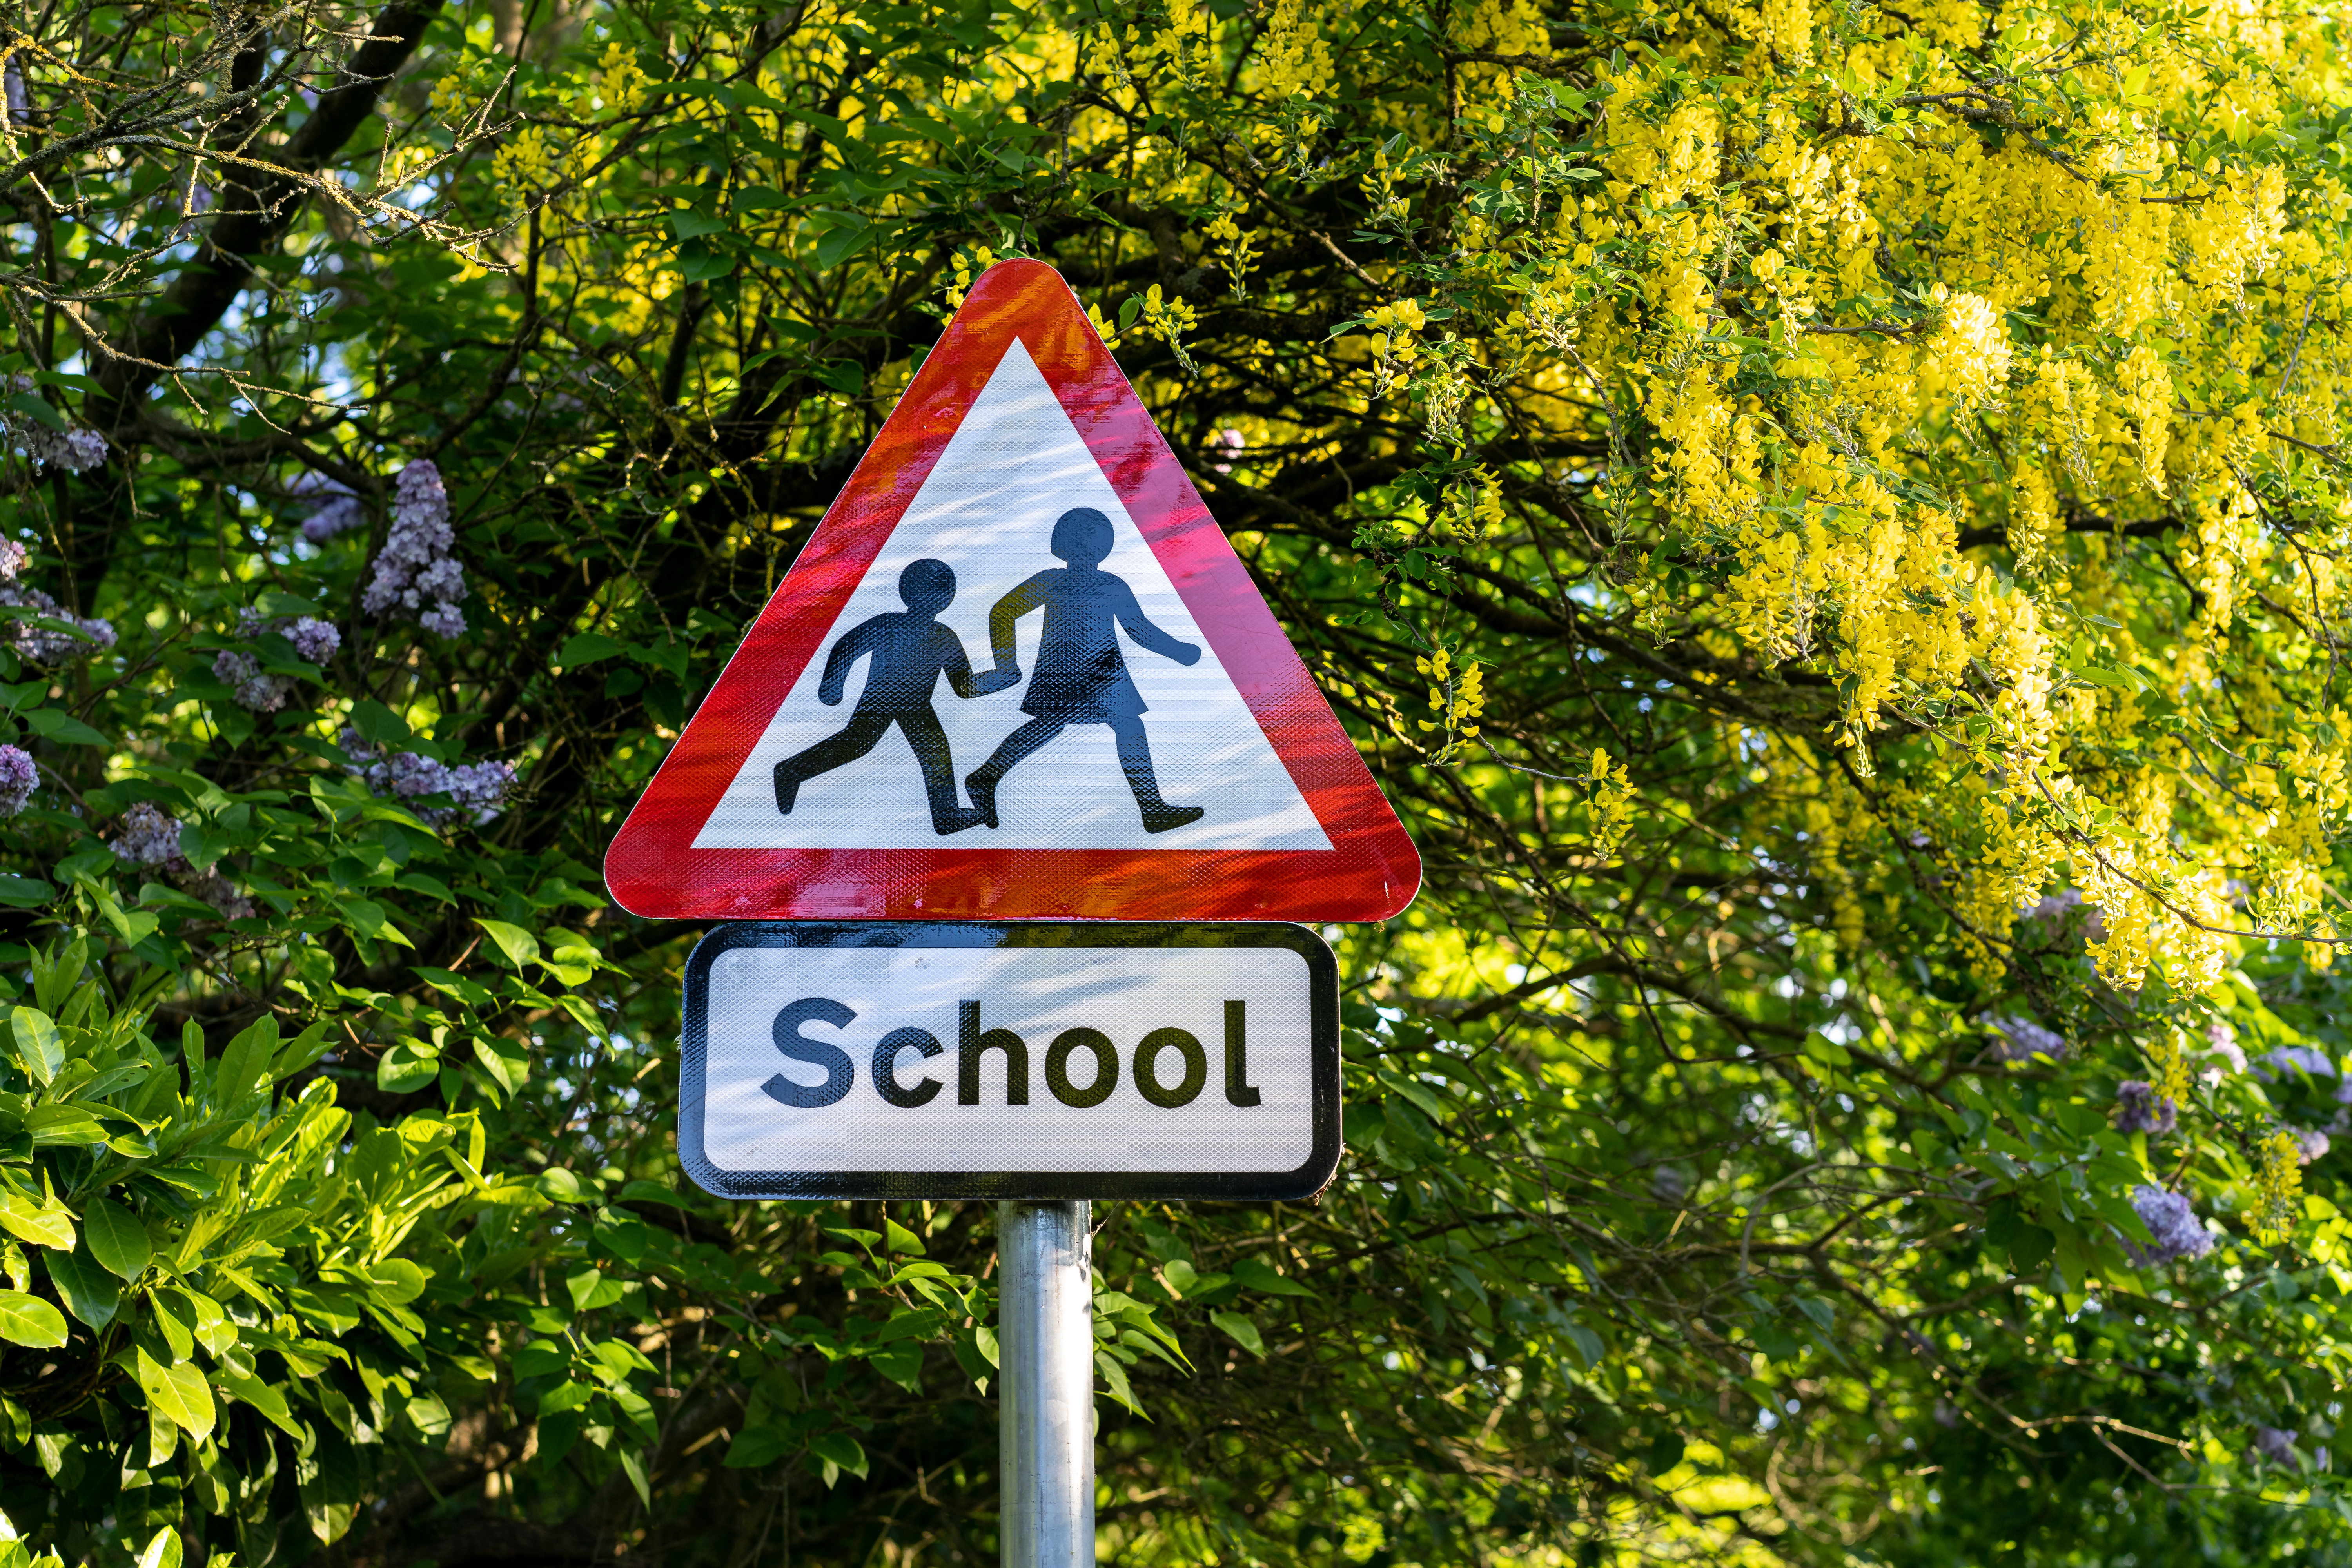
{"type": "Point", "coordinates": [2278, 1182]}
{"type": "Point", "coordinates": [1610, 799]}
{"type": "Point", "coordinates": [1458, 694]}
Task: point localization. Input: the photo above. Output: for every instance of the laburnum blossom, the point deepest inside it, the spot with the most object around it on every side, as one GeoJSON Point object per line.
{"type": "Point", "coordinates": [416, 564]}
{"type": "Point", "coordinates": [17, 777]}
{"type": "Point", "coordinates": [148, 838]}
{"type": "Point", "coordinates": [36, 643]}
{"type": "Point", "coordinates": [477, 790]}
{"type": "Point", "coordinates": [315, 642]}
{"type": "Point", "coordinates": [2169, 1219]}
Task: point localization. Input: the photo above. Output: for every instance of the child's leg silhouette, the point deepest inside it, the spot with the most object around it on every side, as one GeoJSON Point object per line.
{"type": "Point", "coordinates": [856, 738]}
{"type": "Point", "coordinates": [1015, 746]}
{"type": "Point", "coordinates": [930, 745]}
{"type": "Point", "coordinates": [1135, 761]}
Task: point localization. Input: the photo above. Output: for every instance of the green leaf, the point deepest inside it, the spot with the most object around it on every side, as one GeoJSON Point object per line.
{"type": "Point", "coordinates": [641, 1192]}
{"type": "Point", "coordinates": [756, 1447]}
{"type": "Point", "coordinates": [838, 246]}
{"type": "Point", "coordinates": [508, 1061]}
{"type": "Point", "coordinates": [56, 724]}
{"type": "Point", "coordinates": [90, 1292]}
{"type": "Point", "coordinates": [899, 1238]}
{"type": "Point", "coordinates": [275, 603]}
{"type": "Point", "coordinates": [1245, 1333]}
{"type": "Point", "coordinates": [244, 1064]}
{"type": "Point", "coordinates": [29, 1321]}
{"type": "Point", "coordinates": [164, 1552]}
{"type": "Point", "coordinates": [407, 1068]}
{"type": "Point", "coordinates": [839, 1448]}
{"type": "Point", "coordinates": [117, 1240]}
{"type": "Point", "coordinates": [635, 1468]}
{"type": "Point", "coordinates": [1115, 1382]}
{"type": "Point", "coordinates": [397, 1280]}
{"type": "Point", "coordinates": [39, 1050]}
{"type": "Point", "coordinates": [563, 1187]}
{"type": "Point", "coordinates": [24, 892]}
{"type": "Point", "coordinates": [42, 1224]}
{"type": "Point", "coordinates": [519, 945]}
{"type": "Point", "coordinates": [266, 1397]}
{"type": "Point", "coordinates": [1257, 1276]}
{"type": "Point", "coordinates": [587, 648]}
{"type": "Point", "coordinates": [41, 411]}
{"type": "Point", "coordinates": [179, 1393]}
{"type": "Point", "coordinates": [379, 725]}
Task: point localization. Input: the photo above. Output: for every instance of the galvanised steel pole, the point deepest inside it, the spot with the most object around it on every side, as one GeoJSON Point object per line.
{"type": "Point", "coordinates": [1045, 1345]}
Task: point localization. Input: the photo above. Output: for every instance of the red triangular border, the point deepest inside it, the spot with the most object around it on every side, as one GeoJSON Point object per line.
{"type": "Point", "coordinates": [1371, 870]}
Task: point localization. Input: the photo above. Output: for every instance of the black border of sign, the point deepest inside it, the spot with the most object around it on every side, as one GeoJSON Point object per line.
{"type": "Point", "coordinates": [1323, 982]}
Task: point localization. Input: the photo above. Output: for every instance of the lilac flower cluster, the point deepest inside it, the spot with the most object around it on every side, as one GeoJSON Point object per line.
{"type": "Point", "coordinates": [38, 644]}
{"type": "Point", "coordinates": [314, 641]}
{"type": "Point", "coordinates": [477, 789]}
{"type": "Point", "coordinates": [2175, 1225]}
{"type": "Point", "coordinates": [416, 564]}
{"type": "Point", "coordinates": [2056, 907]}
{"type": "Point", "coordinates": [333, 508]}
{"type": "Point", "coordinates": [148, 838]}
{"type": "Point", "coordinates": [17, 777]}
{"type": "Point", "coordinates": [2024, 1039]}
{"type": "Point", "coordinates": [2225, 1050]}
{"type": "Point", "coordinates": [74, 448]}
{"type": "Point", "coordinates": [2138, 1108]}
{"type": "Point", "coordinates": [2310, 1144]}
{"type": "Point", "coordinates": [2307, 1059]}
{"type": "Point", "coordinates": [2274, 1444]}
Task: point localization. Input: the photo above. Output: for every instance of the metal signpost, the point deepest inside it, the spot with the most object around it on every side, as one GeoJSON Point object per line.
{"type": "Point", "coordinates": [1017, 705]}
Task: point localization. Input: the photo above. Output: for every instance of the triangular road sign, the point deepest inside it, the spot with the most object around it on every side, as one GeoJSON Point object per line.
{"type": "Point", "coordinates": [1017, 673]}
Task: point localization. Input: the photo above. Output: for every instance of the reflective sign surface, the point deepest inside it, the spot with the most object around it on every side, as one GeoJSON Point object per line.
{"type": "Point", "coordinates": [1017, 672]}
{"type": "Point", "coordinates": [872, 1059]}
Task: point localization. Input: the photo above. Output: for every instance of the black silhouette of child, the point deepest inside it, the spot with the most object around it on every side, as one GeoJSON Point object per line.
{"type": "Point", "coordinates": [911, 652]}
{"type": "Point", "coordinates": [1081, 676]}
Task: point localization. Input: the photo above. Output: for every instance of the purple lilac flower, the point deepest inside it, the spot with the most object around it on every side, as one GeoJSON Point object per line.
{"type": "Point", "coordinates": [314, 641]}
{"type": "Point", "coordinates": [17, 777]}
{"type": "Point", "coordinates": [2307, 1059]}
{"type": "Point", "coordinates": [2310, 1144]}
{"type": "Point", "coordinates": [73, 449]}
{"type": "Point", "coordinates": [2056, 907]}
{"type": "Point", "coordinates": [38, 644]}
{"type": "Point", "coordinates": [416, 564]}
{"type": "Point", "coordinates": [2173, 1224]}
{"type": "Point", "coordinates": [477, 789]}
{"type": "Point", "coordinates": [2138, 1108]}
{"type": "Point", "coordinates": [2223, 1055]}
{"type": "Point", "coordinates": [2025, 1040]}
{"type": "Point", "coordinates": [2274, 1444]}
{"type": "Point", "coordinates": [20, 102]}
{"type": "Point", "coordinates": [334, 508]}
{"type": "Point", "coordinates": [149, 839]}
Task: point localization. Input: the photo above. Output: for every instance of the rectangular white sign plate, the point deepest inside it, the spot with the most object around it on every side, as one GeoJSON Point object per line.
{"type": "Point", "coordinates": [905, 1059]}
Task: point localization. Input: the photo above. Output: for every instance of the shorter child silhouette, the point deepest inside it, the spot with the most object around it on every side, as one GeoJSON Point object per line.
{"type": "Point", "coordinates": [910, 653]}
{"type": "Point", "coordinates": [1081, 675]}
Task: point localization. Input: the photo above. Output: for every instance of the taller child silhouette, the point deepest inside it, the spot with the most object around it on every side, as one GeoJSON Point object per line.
{"type": "Point", "coordinates": [1081, 676]}
{"type": "Point", "coordinates": [911, 652]}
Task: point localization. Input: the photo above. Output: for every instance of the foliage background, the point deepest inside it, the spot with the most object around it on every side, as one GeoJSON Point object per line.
{"type": "Point", "coordinates": [1825, 520]}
